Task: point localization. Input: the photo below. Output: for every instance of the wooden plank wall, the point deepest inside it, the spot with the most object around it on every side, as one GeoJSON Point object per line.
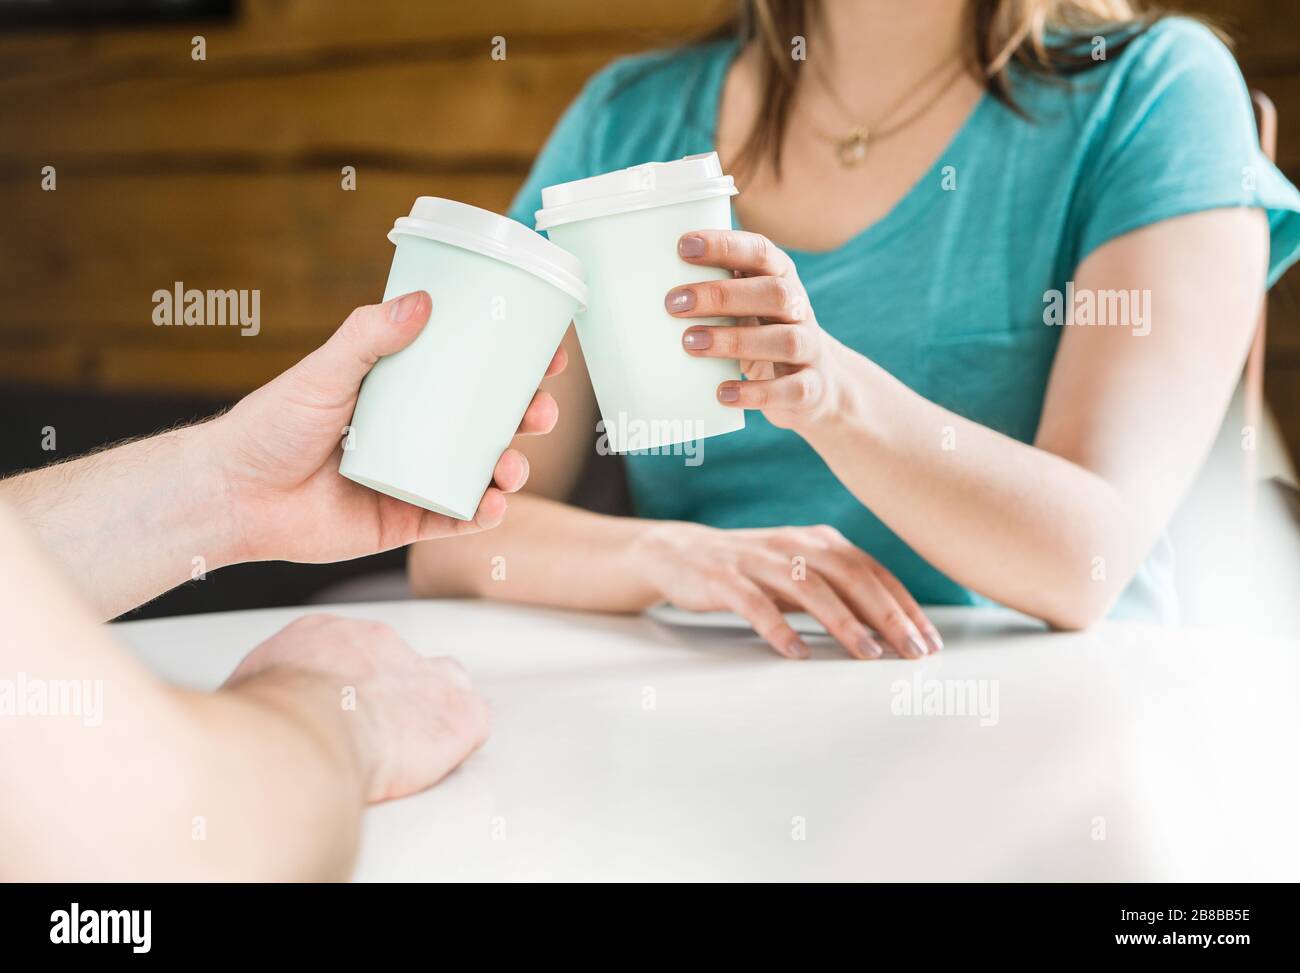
{"type": "Point", "coordinates": [226, 173]}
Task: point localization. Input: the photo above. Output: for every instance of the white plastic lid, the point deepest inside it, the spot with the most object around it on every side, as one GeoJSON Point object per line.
{"type": "Point", "coordinates": [492, 235]}
{"type": "Point", "coordinates": [638, 187]}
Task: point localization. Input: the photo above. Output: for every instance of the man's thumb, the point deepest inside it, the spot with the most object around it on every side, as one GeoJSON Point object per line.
{"type": "Point", "coordinates": [368, 334]}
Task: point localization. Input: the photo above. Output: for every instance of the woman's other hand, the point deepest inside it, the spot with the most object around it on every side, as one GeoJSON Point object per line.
{"type": "Point", "coordinates": [760, 573]}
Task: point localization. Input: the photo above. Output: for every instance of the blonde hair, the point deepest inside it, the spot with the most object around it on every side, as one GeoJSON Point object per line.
{"type": "Point", "coordinates": [1021, 26]}
{"type": "Point", "coordinates": [1041, 35]}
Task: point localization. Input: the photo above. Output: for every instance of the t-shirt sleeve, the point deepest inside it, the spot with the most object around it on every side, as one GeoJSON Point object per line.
{"type": "Point", "coordinates": [1178, 136]}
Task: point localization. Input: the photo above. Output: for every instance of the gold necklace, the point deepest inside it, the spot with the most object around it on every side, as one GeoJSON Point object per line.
{"type": "Point", "coordinates": [851, 149]}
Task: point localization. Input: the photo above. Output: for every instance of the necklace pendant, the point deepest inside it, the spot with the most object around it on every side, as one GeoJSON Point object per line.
{"type": "Point", "coordinates": [852, 150]}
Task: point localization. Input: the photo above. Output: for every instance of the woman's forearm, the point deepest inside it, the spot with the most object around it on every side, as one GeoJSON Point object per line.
{"type": "Point", "coordinates": [1016, 523]}
{"type": "Point", "coordinates": [544, 553]}
{"type": "Point", "coordinates": [1056, 529]}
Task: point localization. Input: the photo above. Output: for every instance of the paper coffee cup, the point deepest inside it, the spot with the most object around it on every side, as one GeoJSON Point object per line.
{"type": "Point", "coordinates": [432, 420]}
{"type": "Point", "coordinates": [624, 227]}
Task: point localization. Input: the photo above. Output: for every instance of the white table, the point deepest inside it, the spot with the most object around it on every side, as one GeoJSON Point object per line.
{"type": "Point", "coordinates": [624, 748]}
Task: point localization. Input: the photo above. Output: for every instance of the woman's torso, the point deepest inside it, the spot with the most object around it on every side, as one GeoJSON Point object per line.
{"type": "Point", "coordinates": [946, 290]}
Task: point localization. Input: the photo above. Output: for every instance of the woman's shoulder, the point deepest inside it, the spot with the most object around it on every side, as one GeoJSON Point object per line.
{"type": "Point", "coordinates": [1161, 127]}
{"type": "Point", "coordinates": [1132, 65]}
{"type": "Point", "coordinates": [642, 106]}
{"type": "Point", "coordinates": [1175, 58]}
{"type": "Point", "coordinates": [1184, 63]}
{"type": "Point", "coordinates": [1174, 79]}
{"type": "Point", "coordinates": [1179, 43]}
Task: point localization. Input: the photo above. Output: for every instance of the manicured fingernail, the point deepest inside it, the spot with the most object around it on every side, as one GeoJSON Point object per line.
{"type": "Point", "coordinates": [404, 307]}
{"type": "Point", "coordinates": [796, 649]}
{"type": "Point", "coordinates": [917, 645]}
{"type": "Point", "coordinates": [870, 647]}
{"type": "Point", "coordinates": [680, 300]}
{"type": "Point", "coordinates": [697, 340]}
{"type": "Point", "coordinates": [729, 393]}
{"type": "Point", "coordinates": [691, 246]}
{"type": "Point", "coordinates": [933, 640]}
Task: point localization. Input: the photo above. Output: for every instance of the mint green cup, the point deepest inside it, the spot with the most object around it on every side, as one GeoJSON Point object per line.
{"type": "Point", "coordinates": [432, 420]}
{"type": "Point", "coordinates": [624, 227]}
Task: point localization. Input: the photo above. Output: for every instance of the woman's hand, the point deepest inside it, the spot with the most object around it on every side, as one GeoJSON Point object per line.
{"type": "Point", "coordinates": [795, 369]}
{"type": "Point", "coordinates": [278, 451]}
{"type": "Point", "coordinates": [409, 721]}
{"type": "Point", "coordinates": [759, 573]}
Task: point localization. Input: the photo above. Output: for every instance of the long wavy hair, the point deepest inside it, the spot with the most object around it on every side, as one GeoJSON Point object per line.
{"type": "Point", "coordinates": [1043, 36]}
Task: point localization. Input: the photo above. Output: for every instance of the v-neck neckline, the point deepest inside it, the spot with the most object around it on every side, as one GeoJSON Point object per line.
{"type": "Point", "coordinates": [905, 210]}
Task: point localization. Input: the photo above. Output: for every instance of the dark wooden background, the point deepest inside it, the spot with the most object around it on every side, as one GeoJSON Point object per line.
{"type": "Point", "coordinates": [226, 173]}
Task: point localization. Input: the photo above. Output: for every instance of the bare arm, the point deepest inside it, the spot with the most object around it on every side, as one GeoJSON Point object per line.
{"type": "Point", "coordinates": [152, 782]}
{"type": "Point", "coordinates": [257, 483]}
{"type": "Point", "coordinates": [553, 554]}
{"type": "Point", "coordinates": [547, 553]}
{"type": "Point", "coordinates": [127, 524]}
{"type": "Point", "coordinates": [545, 546]}
{"type": "Point", "coordinates": [1127, 419]}
{"type": "Point", "coordinates": [117, 776]}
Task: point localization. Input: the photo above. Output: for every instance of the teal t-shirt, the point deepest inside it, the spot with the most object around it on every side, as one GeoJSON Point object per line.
{"type": "Point", "coordinates": [947, 291]}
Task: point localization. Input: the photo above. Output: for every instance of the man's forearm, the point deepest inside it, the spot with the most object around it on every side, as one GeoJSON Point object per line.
{"type": "Point", "coordinates": [254, 784]}
{"type": "Point", "coordinates": [544, 553]}
{"type": "Point", "coordinates": [281, 783]}
{"type": "Point", "coordinates": [145, 782]}
{"type": "Point", "coordinates": [128, 523]}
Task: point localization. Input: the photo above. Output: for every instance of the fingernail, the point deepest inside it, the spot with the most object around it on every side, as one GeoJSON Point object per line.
{"type": "Point", "coordinates": [680, 300]}
{"type": "Point", "coordinates": [523, 461]}
{"type": "Point", "coordinates": [917, 645]}
{"type": "Point", "coordinates": [796, 649]}
{"type": "Point", "coordinates": [729, 393]}
{"type": "Point", "coordinates": [933, 640]}
{"type": "Point", "coordinates": [691, 246]}
{"type": "Point", "coordinates": [404, 307]}
{"type": "Point", "coordinates": [870, 647]}
{"type": "Point", "coordinates": [697, 340]}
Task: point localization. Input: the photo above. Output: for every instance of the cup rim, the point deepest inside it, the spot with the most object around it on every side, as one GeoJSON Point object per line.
{"type": "Point", "coordinates": [646, 186]}
{"type": "Point", "coordinates": [493, 235]}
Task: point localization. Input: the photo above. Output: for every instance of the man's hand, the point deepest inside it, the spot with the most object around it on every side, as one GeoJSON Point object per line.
{"type": "Point", "coordinates": [409, 721]}
{"type": "Point", "coordinates": [278, 451]}
{"type": "Point", "coordinates": [259, 483]}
